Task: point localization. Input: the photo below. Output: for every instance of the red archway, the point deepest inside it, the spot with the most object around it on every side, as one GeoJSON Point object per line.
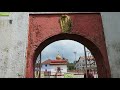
{"type": "Point", "coordinates": [86, 29]}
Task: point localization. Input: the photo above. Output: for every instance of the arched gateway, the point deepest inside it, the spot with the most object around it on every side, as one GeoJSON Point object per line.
{"type": "Point", "coordinates": [85, 28]}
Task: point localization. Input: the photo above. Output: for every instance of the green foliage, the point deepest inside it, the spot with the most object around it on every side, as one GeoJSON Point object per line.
{"type": "Point", "coordinates": [71, 66]}
{"type": "Point", "coordinates": [68, 75]}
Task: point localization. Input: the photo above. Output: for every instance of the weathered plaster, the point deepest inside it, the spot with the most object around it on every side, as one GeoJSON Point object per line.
{"type": "Point", "coordinates": [13, 38]}
{"type": "Point", "coordinates": [111, 23]}
{"type": "Point", "coordinates": [5, 36]}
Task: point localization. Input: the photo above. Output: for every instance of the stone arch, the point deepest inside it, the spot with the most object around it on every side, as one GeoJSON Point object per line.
{"type": "Point", "coordinates": [90, 45]}
{"type": "Point", "coordinates": [87, 29]}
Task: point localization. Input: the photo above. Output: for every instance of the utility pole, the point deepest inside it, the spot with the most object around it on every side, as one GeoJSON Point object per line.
{"type": "Point", "coordinates": [85, 60]}
{"type": "Point", "coordinates": [40, 65]}
{"type": "Point", "coordinates": [75, 58]}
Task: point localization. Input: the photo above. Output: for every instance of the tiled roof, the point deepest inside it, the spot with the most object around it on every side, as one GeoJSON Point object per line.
{"type": "Point", "coordinates": [47, 61]}
{"type": "Point", "coordinates": [88, 57]}
{"type": "Point", "coordinates": [58, 62]}
{"type": "Point", "coordinates": [55, 62]}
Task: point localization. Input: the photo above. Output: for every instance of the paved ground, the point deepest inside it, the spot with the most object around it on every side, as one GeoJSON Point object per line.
{"type": "Point", "coordinates": [68, 75]}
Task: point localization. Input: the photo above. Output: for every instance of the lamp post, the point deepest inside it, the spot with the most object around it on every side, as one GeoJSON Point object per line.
{"type": "Point", "coordinates": [75, 58]}
{"type": "Point", "coordinates": [75, 55]}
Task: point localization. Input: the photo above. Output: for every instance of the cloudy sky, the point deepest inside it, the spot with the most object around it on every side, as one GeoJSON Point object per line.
{"type": "Point", "coordinates": [65, 48]}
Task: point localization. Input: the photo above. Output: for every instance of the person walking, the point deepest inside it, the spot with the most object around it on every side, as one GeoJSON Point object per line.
{"type": "Point", "coordinates": [88, 74]}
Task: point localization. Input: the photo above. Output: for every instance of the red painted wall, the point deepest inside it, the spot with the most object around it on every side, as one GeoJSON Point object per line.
{"type": "Point", "coordinates": [89, 26]}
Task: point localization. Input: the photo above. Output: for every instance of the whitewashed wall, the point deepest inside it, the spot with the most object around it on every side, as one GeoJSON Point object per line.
{"type": "Point", "coordinates": [13, 43]}
{"type": "Point", "coordinates": [63, 67]}
{"type": "Point", "coordinates": [5, 38]}
{"type": "Point", "coordinates": [53, 68]}
{"type": "Point", "coordinates": [43, 68]}
{"type": "Point", "coordinates": [111, 24]}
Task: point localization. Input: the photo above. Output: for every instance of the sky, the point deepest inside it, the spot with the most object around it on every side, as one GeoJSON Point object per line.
{"type": "Point", "coordinates": [65, 48]}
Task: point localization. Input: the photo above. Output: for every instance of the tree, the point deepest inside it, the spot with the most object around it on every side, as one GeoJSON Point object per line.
{"type": "Point", "coordinates": [71, 66]}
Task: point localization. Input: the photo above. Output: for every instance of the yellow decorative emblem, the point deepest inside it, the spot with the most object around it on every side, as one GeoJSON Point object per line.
{"type": "Point", "coordinates": [65, 23]}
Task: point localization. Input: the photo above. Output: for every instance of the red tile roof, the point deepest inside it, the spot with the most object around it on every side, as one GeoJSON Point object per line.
{"type": "Point", "coordinates": [47, 61]}
{"type": "Point", "coordinates": [55, 62]}
{"type": "Point", "coordinates": [58, 61]}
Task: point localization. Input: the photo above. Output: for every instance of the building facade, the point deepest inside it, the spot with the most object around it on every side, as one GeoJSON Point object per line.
{"type": "Point", "coordinates": [54, 66]}
{"type": "Point", "coordinates": [82, 65]}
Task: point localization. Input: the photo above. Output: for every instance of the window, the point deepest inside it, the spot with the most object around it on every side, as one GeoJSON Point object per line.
{"type": "Point", "coordinates": [58, 69]}
{"type": "Point", "coordinates": [46, 65]}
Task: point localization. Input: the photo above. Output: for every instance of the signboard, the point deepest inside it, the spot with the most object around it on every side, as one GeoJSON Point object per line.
{"type": "Point", "coordinates": [4, 13]}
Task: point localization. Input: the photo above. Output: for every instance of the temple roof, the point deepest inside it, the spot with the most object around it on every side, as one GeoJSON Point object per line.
{"type": "Point", "coordinates": [47, 61]}
{"type": "Point", "coordinates": [58, 57]}
{"type": "Point", "coordinates": [59, 61]}
{"type": "Point", "coordinates": [55, 62]}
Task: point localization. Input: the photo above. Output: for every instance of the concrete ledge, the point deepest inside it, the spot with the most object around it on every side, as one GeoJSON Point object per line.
{"type": "Point", "coordinates": [62, 12]}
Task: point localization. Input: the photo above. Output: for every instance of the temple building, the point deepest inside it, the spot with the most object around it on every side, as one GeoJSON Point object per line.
{"type": "Point", "coordinates": [55, 66]}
